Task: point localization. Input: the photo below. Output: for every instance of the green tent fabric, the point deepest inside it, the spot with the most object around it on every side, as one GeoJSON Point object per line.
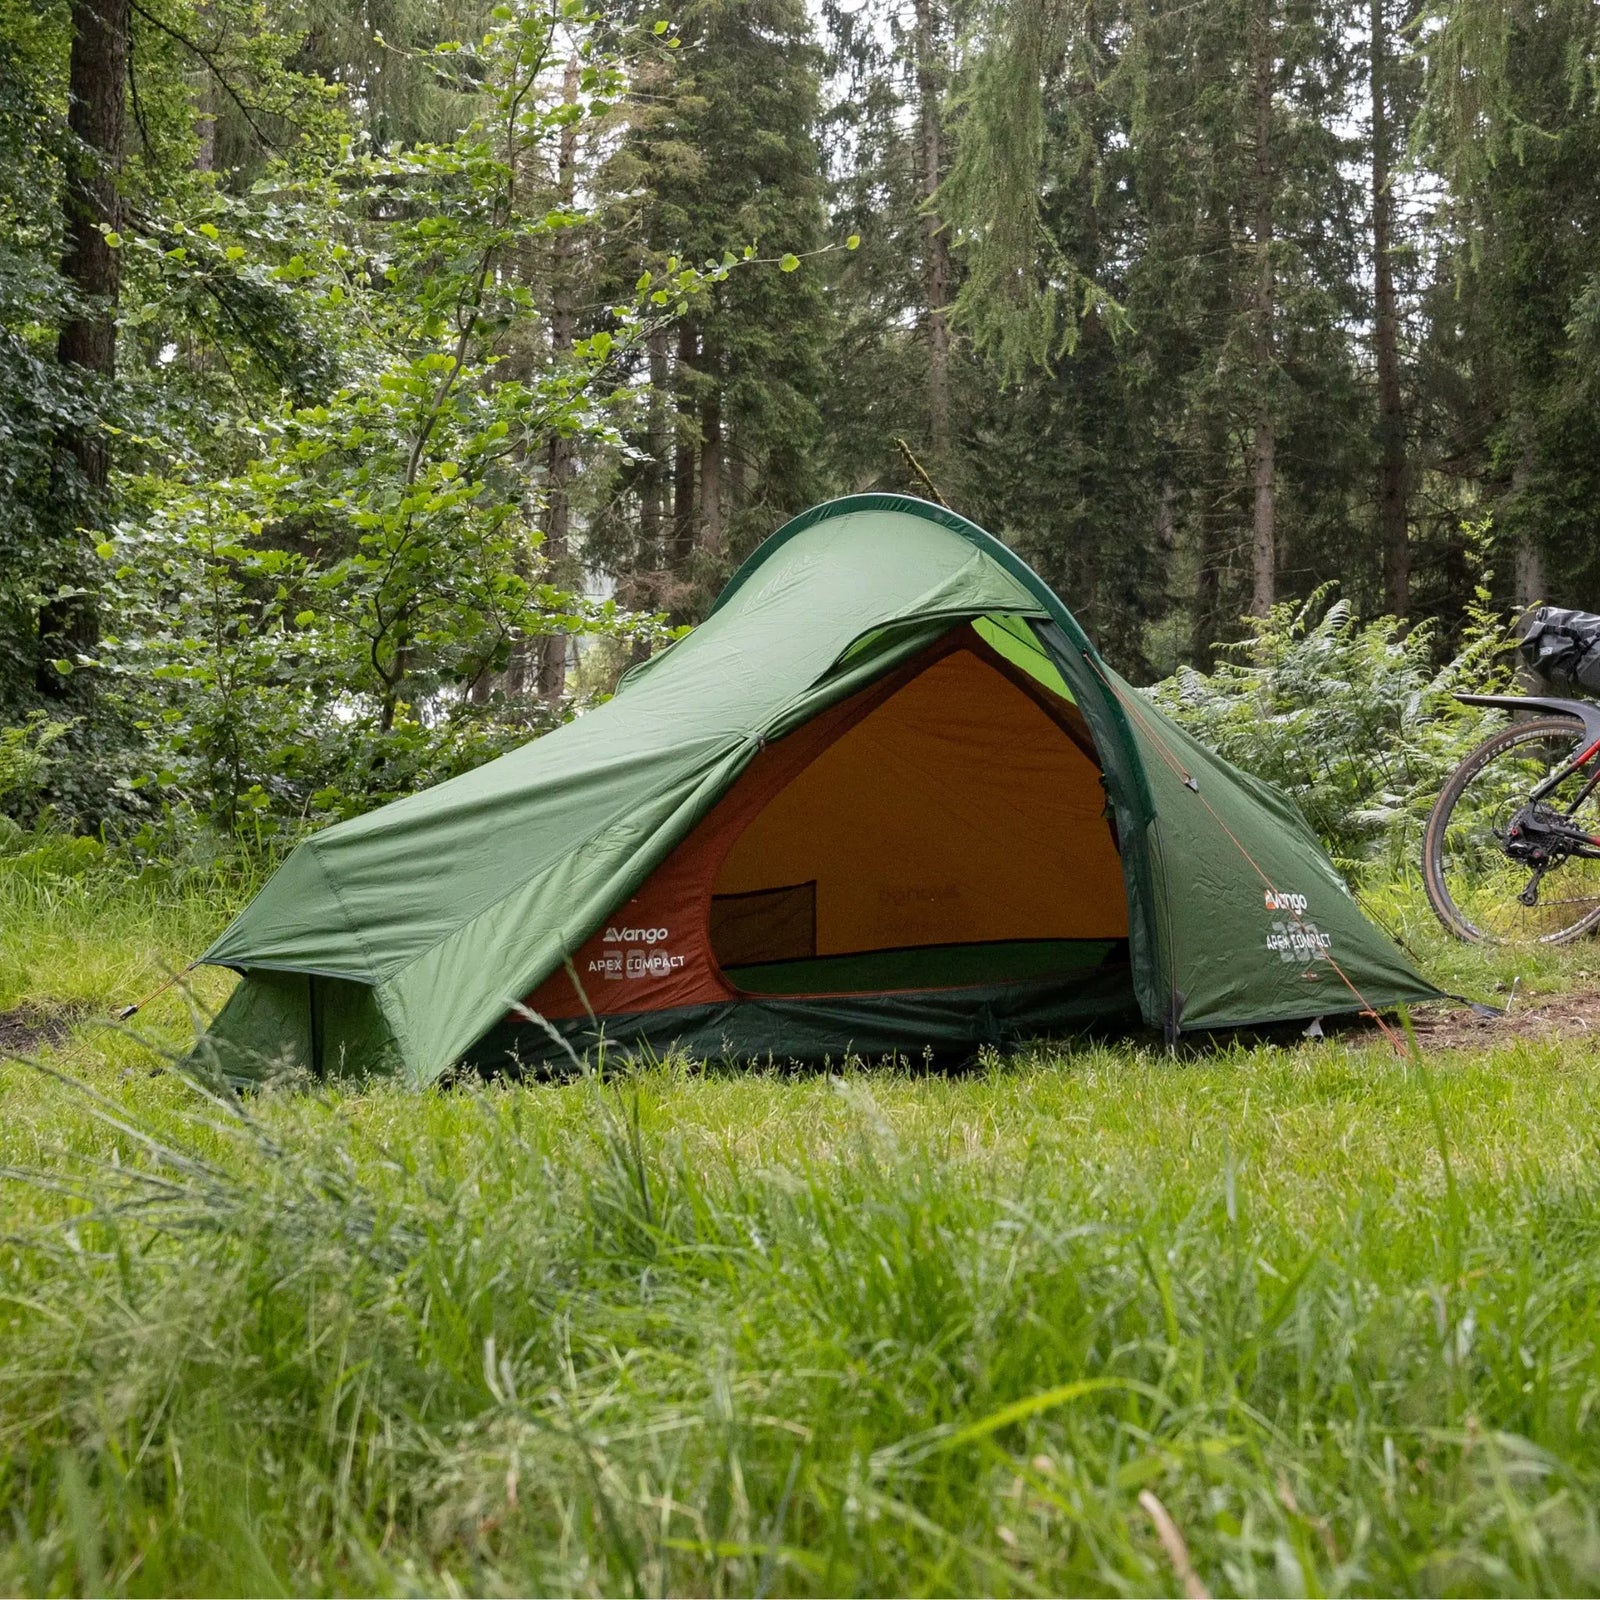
{"type": "Point", "coordinates": [398, 941]}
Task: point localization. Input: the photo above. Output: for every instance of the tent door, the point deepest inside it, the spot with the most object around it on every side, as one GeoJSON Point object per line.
{"type": "Point", "coordinates": [953, 837]}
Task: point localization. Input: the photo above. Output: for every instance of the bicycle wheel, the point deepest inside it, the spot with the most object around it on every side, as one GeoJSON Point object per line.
{"type": "Point", "coordinates": [1481, 852]}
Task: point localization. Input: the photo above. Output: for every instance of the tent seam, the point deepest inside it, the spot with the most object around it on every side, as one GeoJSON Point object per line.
{"type": "Point", "coordinates": [344, 909]}
{"type": "Point", "coordinates": [401, 1036]}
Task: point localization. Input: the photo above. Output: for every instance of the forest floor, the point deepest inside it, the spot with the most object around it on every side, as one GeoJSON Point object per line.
{"type": "Point", "coordinates": [1305, 1316]}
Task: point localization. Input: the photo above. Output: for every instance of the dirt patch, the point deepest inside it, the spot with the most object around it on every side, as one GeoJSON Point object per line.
{"type": "Point", "coordinates": [1573, 1015]}
{"type": "Point", "coordinates": [28, 1027]}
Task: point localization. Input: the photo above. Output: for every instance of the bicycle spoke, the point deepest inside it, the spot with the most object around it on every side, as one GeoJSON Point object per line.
{"type": "Point", "coordinates": [1490, 845]}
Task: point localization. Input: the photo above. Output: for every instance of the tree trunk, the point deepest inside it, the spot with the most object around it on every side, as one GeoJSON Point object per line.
{"type": "Point", "coordinates": [97, 77]}
{"type": "Point", "coordinates": [685, 511]}
{"type": "Point", "coordinates": [737, 487]}
{"type": "Point", "coordinates": [1392, 521]}
{"type": "Point", "coordinates": [1217, 513]}
{"type": "Point", "coordinates": [711, 463]}
{"type": "Point", "coordinates": [1207, 586]}
{"type": "Point", "coordinates": [552, 653]}
{"type": "Point", "coordinates": [97, 73]}
{"type": "Point", "coordinates": [563, 328]}
{"type": "Point", "coordinates": [935, 255]}
{"type": "Point", "coordinates": [399, 667]}
{"type": "Point", "coordinates": [652, 483]}
{"type": "Point", "coordinates": [205, 125]}
{"type": "Point", "coordinates": [1529, 574]}
{"type": "Point", "coordinates": [1264, 544]}
{"type": "Point", "coordinates": [1167, 521]}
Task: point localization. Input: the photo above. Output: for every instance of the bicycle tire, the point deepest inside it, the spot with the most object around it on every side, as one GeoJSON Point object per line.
{"type": "Point", "coordinates": [1433, 876]}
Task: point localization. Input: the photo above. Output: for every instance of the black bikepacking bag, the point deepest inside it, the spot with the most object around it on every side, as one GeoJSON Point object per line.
{"type": "Point", "coordinates": [1562, 648]}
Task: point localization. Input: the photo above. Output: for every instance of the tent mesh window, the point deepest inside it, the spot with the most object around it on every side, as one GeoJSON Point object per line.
{"type": "Point", "coordinates": [764, 925]}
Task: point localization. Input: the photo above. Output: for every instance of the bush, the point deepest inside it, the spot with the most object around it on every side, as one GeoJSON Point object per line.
{"type": "Point", "coordinates": [26, 760]}
{"type": "Point", "coordinates": [1352, 720]}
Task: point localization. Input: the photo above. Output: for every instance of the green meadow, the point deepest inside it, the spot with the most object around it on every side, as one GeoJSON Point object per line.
{"type": "Point", "coordinates": [1286, 1316]}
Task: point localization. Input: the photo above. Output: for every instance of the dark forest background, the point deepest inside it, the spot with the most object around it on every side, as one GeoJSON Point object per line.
{"type": "Point", "coordinates": [380, 377]}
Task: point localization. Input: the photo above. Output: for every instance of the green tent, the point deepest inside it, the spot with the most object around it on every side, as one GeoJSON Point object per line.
{"type": "Point", "coordinates": [887, 797]}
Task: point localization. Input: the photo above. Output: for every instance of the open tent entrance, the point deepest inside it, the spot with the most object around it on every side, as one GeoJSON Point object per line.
{"type": "Point", "coordinates": [939, 833]}
{"type": "Point", "coordinates": [954, 834]}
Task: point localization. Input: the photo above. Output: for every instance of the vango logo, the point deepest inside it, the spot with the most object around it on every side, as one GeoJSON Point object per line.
{"type": "Point", "coordinates": [1277, 901]}
{"type": "Point", "coordinates": [615, 935]}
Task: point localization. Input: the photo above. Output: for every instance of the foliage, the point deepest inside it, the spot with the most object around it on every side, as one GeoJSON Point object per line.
{"type": "Point", "coordinates": [312, 627]}
{"type": "Point", "coordinates": [1105, 200]}
{"type": "Point", "coordinates": [1352, 720]}
{"type": "Point", "coordinates": [330, 609]}
{"type": "Point", "coordinates": [720, 155]}
{"type": "Point", "coordinates": [1027, 293]}
{"type": "Point", "coordinates": [25, 760]}
{"type": "Point", "coordinates": [1512, 122]}
{"type": "Point", "coordinates": [38, 397]}
{"type": "Point", "coordinates": [430, 375]}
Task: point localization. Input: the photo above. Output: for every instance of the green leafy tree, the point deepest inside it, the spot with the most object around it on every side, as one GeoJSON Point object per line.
{"type": "Point", "coordinates": [317, 620]}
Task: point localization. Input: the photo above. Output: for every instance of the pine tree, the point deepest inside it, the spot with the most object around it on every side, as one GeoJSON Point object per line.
{"type": "Point", "coordinates": [1512, 125]}
{"type": "Point", "coordinates": [899, 378]}
{"type": "Point", "coordinates": [1153, 203]}
{"type": "Point", "coordinates": [725, 155]}
{"type": "Point", "coordinates": [1392, 518]}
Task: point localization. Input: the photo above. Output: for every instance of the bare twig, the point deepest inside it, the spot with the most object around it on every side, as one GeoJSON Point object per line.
{"type": "Point", "coordinates": [920, 473]}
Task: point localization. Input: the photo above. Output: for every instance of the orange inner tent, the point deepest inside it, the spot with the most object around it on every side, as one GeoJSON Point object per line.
{"type": "Point", "coordinates": [944, 827]}
{"type": "Point", "coordinates": [957, 812]}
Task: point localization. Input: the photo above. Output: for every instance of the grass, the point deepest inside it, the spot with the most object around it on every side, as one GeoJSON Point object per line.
{"type": "Point", "coordinates": [1288, 1319]}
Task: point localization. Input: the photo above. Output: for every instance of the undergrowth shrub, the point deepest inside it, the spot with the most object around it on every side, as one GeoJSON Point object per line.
{"type": "Point", "coordinates": [26, 759]}
{"type": "Point", "coordinates": [1353, 720]}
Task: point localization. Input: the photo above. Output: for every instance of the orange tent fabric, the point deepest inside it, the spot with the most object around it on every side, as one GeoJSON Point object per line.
{"type": "Point", "coordinates": [948, 804]}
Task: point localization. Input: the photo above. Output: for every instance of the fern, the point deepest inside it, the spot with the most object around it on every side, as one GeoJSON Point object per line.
{"type": "Point", "coordinates": [1353, 720]}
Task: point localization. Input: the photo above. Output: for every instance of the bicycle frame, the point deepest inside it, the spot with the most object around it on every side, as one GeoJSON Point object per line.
{"type": "Point", "coordinates": [1587, 716]}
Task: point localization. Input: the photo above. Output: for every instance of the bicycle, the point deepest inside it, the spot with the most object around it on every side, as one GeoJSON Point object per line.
{"type": "Point", "coordinates": [1511, 853]}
